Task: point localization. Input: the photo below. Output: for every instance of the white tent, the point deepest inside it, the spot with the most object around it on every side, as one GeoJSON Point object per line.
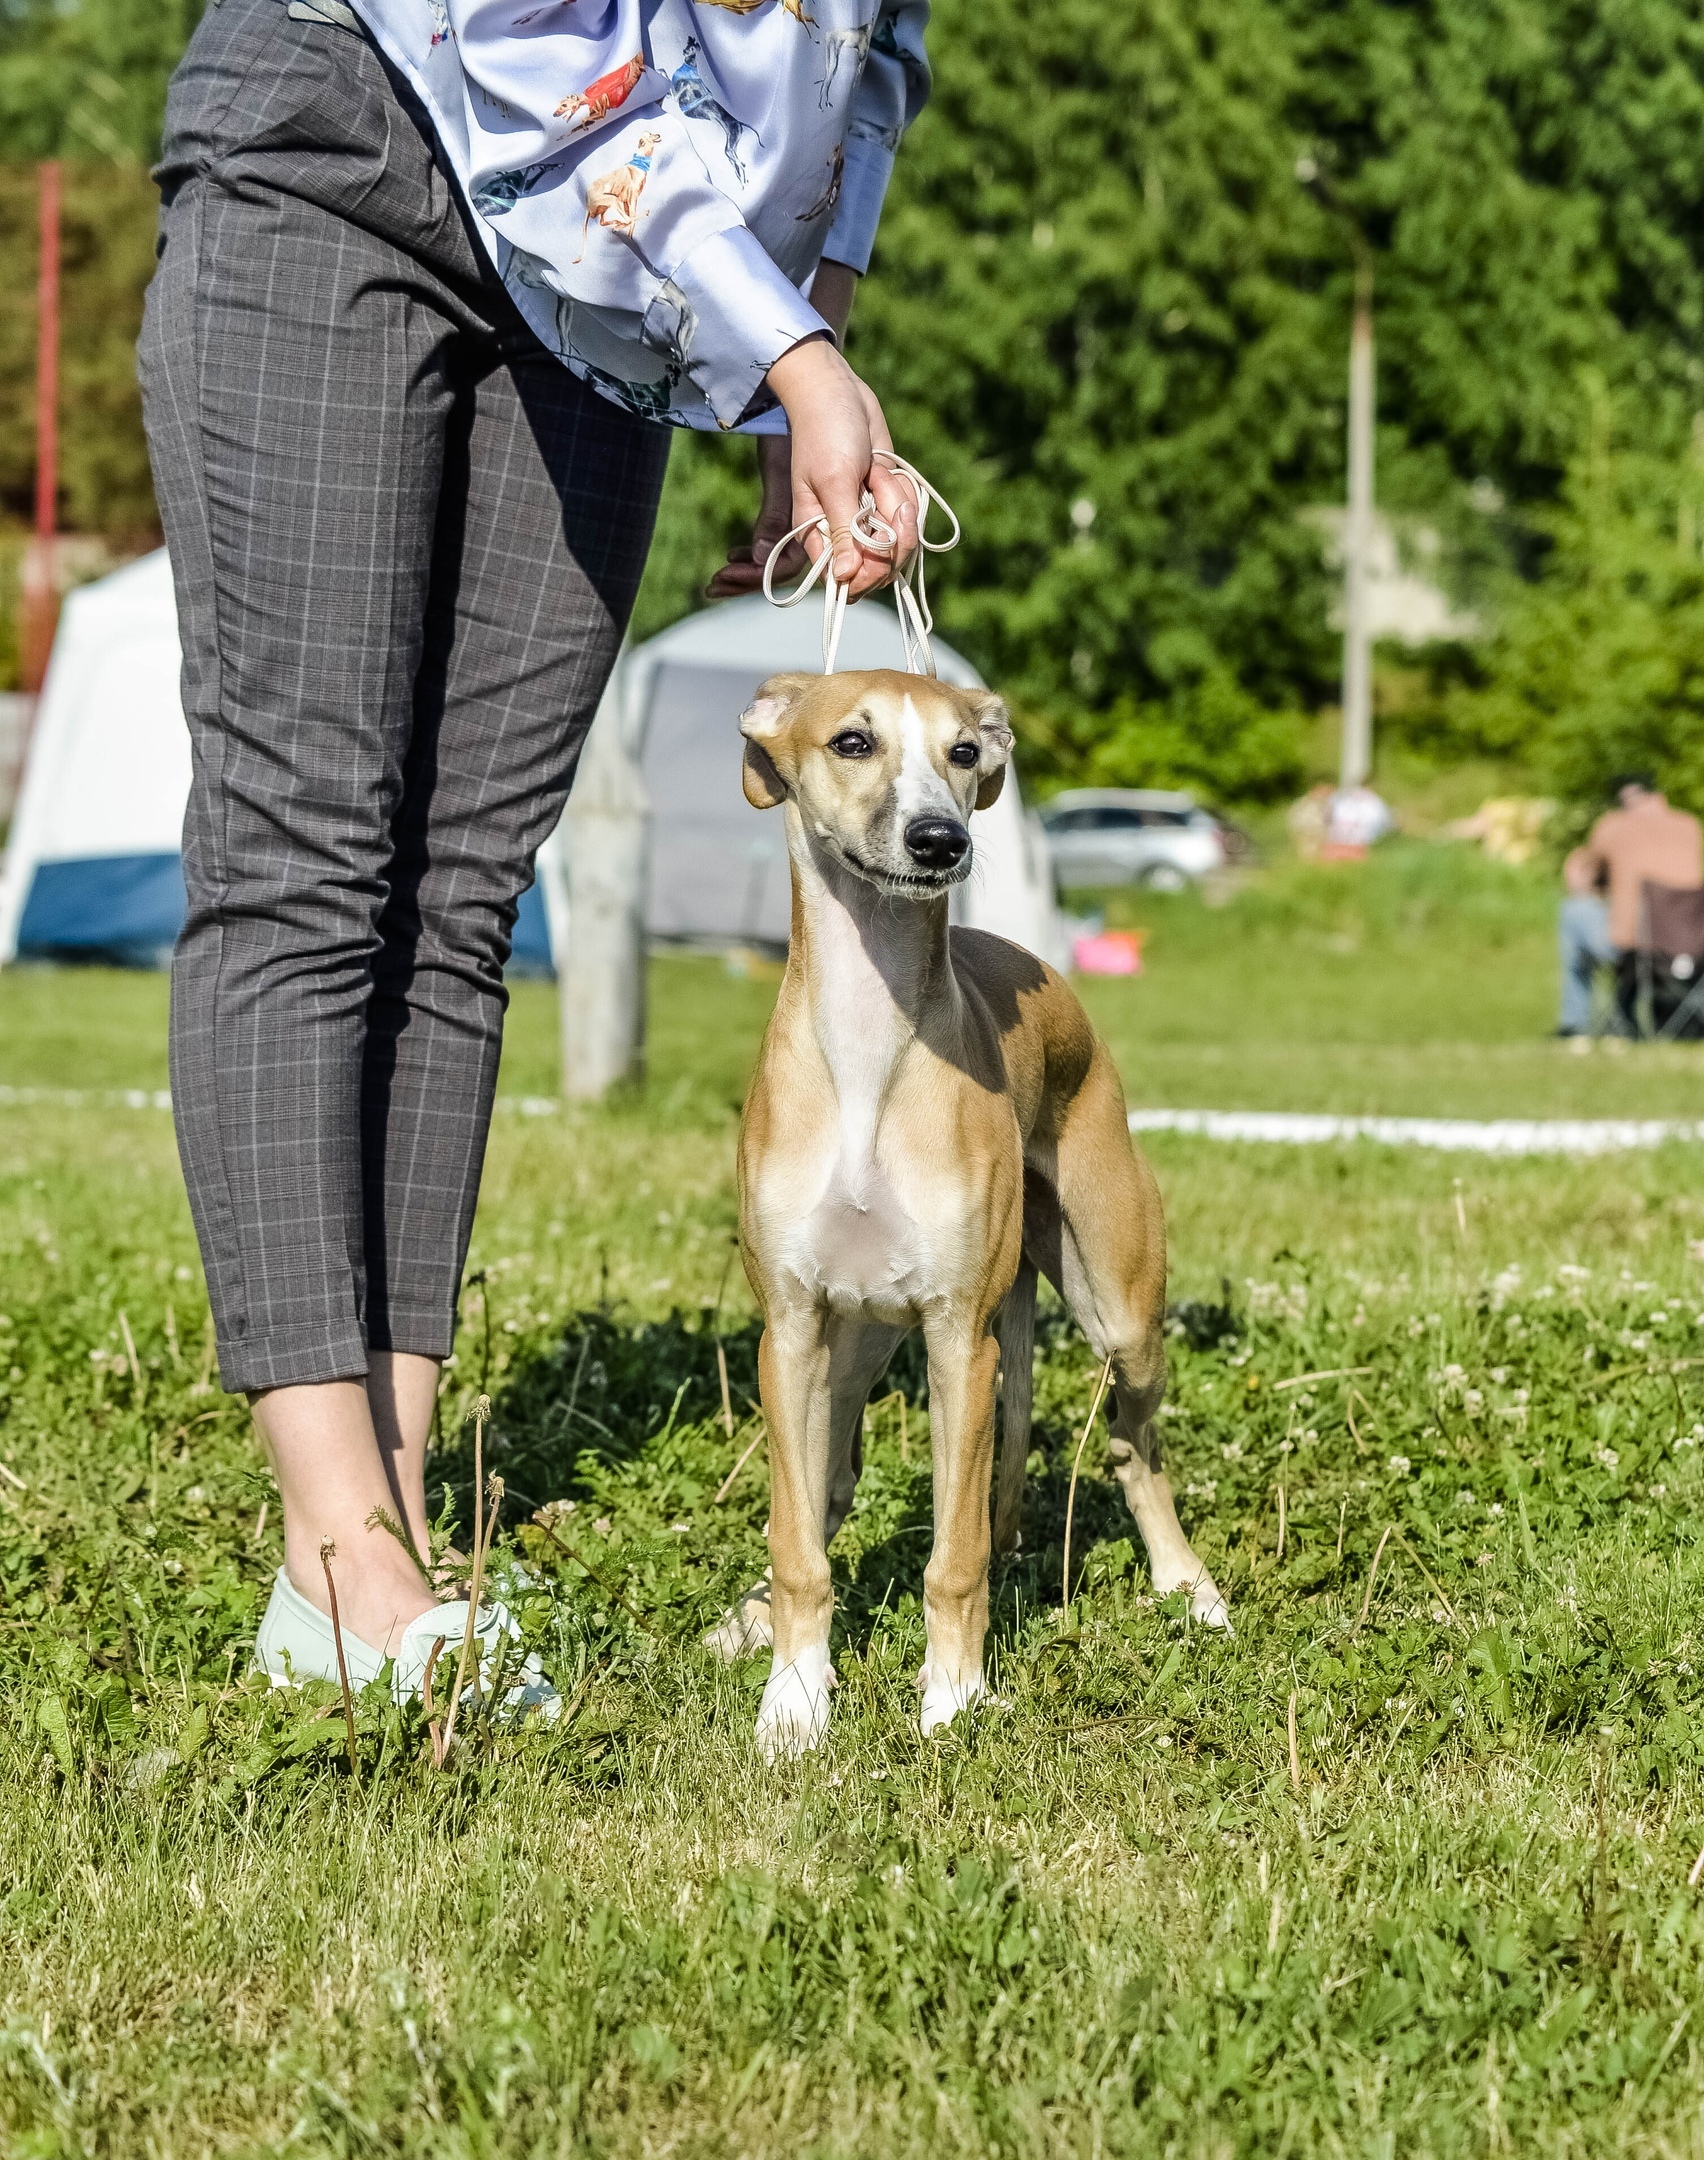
{"type": "Point", "coordinates": [93, 865]}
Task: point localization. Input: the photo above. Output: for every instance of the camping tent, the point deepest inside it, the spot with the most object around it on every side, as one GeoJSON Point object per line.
{"type": "Point", "coordinates": [93, 866]}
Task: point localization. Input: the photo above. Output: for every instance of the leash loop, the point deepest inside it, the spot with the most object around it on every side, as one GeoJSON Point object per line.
{"type": "Point", "coordinates": [910, 592]}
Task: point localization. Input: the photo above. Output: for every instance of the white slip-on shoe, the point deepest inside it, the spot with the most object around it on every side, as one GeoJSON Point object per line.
{"type": "Point", "coordinates": [526, 1691]}
{"type": "Point", "coordinates": [296, 1643]}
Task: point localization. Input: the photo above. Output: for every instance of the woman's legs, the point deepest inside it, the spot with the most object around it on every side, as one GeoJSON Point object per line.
{"type": "Point", "coordinates": [402, 1391]}
{"type": "Point", "coordinates": [337, 1476]}
{"type": "Point", "coordinates": [405, 544]}
{"type": "Point", "coordinates": [548, 502]}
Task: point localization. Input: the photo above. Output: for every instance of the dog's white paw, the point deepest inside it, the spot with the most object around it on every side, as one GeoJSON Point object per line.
{"type": "Point", "coordinates": [1207, 1605]}
{"type": "Point", "coordinates": [943, 1698]}
{"type": "Point", "coordinates": [793, 1715]}
{"type": "Point", "coordinates": [743, 1629]}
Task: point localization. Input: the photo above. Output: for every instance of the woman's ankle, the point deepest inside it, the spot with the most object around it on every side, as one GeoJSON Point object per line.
{"type": "Point", "coordinates": [378, 1590]}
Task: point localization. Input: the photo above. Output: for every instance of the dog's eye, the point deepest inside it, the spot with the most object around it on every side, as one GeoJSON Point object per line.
{"type": "Point", "coordinates": [852, 742]}
{"type": "Point", "coordinates": [963, 753]}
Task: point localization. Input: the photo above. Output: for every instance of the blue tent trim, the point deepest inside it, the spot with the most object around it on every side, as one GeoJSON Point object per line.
{"type": "Point", "coordinates": [123, 908]}
{"type": "Point", "coordinates": [128, 909]}
{"type": "Point", "coordinates": [529, 949]}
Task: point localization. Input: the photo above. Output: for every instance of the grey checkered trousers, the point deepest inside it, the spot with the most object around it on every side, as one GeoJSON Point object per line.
{"type": "Point", "coordinates": [405, 543]}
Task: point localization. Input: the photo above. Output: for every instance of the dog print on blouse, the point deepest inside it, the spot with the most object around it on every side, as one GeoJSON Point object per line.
{"type": "Point", "coordinates": [599, 99]}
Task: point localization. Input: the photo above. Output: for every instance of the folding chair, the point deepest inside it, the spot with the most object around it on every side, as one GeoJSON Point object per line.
{"type": "Point", "coordinates": [1669, 964]}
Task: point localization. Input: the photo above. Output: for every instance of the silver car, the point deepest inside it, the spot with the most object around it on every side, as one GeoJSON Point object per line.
{"type": "Point", "coordinates": [1135, 836]}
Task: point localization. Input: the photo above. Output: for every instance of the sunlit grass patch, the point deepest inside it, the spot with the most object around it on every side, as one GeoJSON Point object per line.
{"type": "Point", "coordinates": [1109, 1911]}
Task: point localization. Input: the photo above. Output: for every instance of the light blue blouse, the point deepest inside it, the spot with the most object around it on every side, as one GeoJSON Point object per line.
{"type": "Point", "coordinates": [658, 179]}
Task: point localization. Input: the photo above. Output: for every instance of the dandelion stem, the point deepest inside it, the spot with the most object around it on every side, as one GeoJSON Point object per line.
{"type": "Point", "coordinates": [727, 1484]}
{"type": "Point", "coordinates": [722, 1375]}
{"type": "Point", "coordinates": [327, 1552]}
{"type": "Point", "coordinates": [1372, 1572]}
{"type": "Point", "coordinates": [481, 1411]}
{"type": "Point", "coordinates": [1076, 1464]}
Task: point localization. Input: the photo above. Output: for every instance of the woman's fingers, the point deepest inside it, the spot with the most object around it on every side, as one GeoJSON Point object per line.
{"type": "Point", "coordinates": [837, 427]}
{"type": "Point", "coordinates": [896, 504]}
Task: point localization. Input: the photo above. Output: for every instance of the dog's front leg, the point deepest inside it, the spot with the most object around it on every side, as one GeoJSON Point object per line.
{"type": "Point", "coordinates": [793, 1371]}
{"type": "Point", "coordinates": [963, 1361]}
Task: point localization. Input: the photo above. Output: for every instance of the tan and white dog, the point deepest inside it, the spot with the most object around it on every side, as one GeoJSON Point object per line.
{"type": "Point", "coordinates": [932, 1121]}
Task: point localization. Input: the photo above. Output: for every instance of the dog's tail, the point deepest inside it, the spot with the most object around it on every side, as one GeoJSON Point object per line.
{"type": "Point", "coordinates": [1017, 1362]}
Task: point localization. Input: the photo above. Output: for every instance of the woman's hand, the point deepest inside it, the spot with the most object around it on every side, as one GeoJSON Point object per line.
{"type": "Point", "coordinates": [823, 465]}
{"type": "Point", "coordinates": [836, 427]}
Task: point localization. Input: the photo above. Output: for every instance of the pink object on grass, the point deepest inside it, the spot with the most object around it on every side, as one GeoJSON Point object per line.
{"type": "Point", "coordinates": [1108, 952]}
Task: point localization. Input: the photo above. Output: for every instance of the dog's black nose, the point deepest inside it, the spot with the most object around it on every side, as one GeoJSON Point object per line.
{"type": "Point", "coordinates": [938, 843]}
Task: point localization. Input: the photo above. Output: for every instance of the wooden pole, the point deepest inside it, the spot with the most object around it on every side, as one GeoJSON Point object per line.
{"type": "Point", "coordinates": [1356, 756]}
{"type": "Point", "coordinates": [1357, 750]}
{"type": "Point", "coordinates": [601, 978]}
{"type": "Point", "coordinates": [39, 600]}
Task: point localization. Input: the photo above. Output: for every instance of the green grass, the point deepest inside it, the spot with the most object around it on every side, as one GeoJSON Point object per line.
{"type": "Point", "coordinates": [1101, 1919]}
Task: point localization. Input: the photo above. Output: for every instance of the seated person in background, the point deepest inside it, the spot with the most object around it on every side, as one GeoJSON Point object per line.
{"type": "Point", "coordinates": [1642, 842]}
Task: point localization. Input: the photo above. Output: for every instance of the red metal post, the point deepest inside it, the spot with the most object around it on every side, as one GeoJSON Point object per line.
{"type": "Point", "coordinates": [40, 601]}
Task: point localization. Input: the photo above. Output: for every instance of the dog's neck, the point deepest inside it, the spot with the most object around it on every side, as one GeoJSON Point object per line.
{"type": "Point", "coordinates": [874, 972]}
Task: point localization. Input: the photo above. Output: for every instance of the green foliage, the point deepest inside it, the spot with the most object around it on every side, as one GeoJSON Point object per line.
{"type": "Point", "coordinates": [707, 508]}
{"type": "Point", "coordinates": [1210, 734]}
{"type": "Point", "coordinates": [106, 259]}
{"type": "Point", "coordinates": [1110, 323]}
{"type": "Point", "coordinates": [88, 78]}
{"type": "Point", "coordinates": [1597, 667]}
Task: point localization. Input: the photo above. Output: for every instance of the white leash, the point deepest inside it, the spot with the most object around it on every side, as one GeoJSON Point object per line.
{"type": "Point", "coordinates": [909, 591]}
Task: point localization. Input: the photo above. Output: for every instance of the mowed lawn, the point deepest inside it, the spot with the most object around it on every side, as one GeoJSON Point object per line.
{"type": "Point", "coordinates": [1403, 1869]}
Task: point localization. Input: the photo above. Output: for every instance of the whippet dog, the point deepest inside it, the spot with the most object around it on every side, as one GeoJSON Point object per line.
{"type": "Point", "coordinates": [931, 1123]}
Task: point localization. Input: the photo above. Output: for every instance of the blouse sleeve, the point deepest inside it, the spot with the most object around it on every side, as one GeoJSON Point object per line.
{"type": "Point", "coordinates": [892, 91]}
{"type": "Point", "coordinates": [572, 157]}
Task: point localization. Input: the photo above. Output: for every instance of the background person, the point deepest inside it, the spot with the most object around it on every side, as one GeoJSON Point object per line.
{"type": "Point", "coordinates": [430, 274]}
{"type": "Point", "coordinates": [1642, 841]}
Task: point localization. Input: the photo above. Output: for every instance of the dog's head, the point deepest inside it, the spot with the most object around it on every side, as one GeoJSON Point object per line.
{"type": "Point", "coordinates": [884, 769]}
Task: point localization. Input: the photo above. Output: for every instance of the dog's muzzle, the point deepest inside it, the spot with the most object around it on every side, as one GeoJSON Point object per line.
{"type": "Point", "coordinates": [936, 843]}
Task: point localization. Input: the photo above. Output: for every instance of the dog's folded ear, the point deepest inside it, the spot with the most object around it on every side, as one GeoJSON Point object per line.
{"type": "Point", "coordinates": [993, 724]}
{"type": "Point", "coordinates": [764, 787]}
{"type": "Point", "coordinates": [762, 724]}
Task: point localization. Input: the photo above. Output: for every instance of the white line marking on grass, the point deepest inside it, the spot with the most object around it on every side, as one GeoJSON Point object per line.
{"type": "Point", "coordinates": [1467, 1136]}
{"type": "Point", "coordinates": [24, 1098]}
{"type": "Point", "coordinates": [1286, 1128]}
{"type": "Point", "coordinates": [75, 1098]}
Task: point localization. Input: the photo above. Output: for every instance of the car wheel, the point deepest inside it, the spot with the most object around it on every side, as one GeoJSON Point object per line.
{"type": "Point", "coordinates": [1165, 877]}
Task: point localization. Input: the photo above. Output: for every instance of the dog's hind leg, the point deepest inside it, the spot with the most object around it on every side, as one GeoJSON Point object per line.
{"type": "Point", "coordinates": [859, 1355]}
{"type": "Point", "coordinates": [1017, 1387]}
{"type": "Point", "coordinates": [1107, 1254]}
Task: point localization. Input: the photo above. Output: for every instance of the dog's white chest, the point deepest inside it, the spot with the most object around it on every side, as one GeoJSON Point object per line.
{"type": "Point", "coordinates": [859, 1249]}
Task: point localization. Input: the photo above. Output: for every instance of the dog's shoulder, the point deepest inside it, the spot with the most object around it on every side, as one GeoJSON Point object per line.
{"type": "Point", "coordinates": [1009, 978]}
{"type": "Point", "coordinates": [1032, 1008]}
